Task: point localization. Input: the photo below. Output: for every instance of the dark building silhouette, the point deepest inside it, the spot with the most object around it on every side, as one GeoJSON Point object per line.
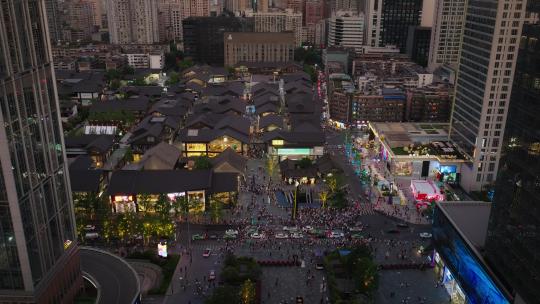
{"type": "Point", "coordinates": [397, 16]}
{"type": "Point", "coordinates": [39, 258]}
{"type": "Point", "coordinates": [513, 244]}
{"type": "Point", "coordinates": [203, 36]}
{"type": "Point", "coordinates": [418, 40]}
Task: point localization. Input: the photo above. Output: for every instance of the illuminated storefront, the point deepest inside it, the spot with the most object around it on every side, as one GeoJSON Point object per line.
{"type": "Point", "coordinates": [459, 267]}
{"type": "Point", "coordinates": [214, 147]}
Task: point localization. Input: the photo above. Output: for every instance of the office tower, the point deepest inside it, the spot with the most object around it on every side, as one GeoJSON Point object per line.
{"type": "Point", "coordinates": [39, 260]}
{"type": "Point", "coordinates": [512, 246]}
{"type": "Point", "coordinates": [81, 20]}
{"type": "Point", "coordinates": [54, 20]}
{"type": "Point", "coordinates": [446, 33]}
{"type": "Point", "coordinates": [373, 13]}
{"type": "Point", "coordinates": [203, 36]}
{"type": "Point", "coordinates": [484, 84]}
{"type": "Point", "coordinates": [280, 21]}
{"type": "Point", "coordinates": [418, 44]}
{"type": "Point", "coordinates": [346, 29]}
{"type": "Point", "coordinates": [295, 5]}
{"type": "Point", "coordinates": [313, 14]}
{"type": "Point", "coordinates": [262, 6]}
{"type": "Point", "coordinates": [396, 17]}
{"type": "Point", "coordinates": [171, 13]}
{"type": "Point", "coordinates": [133, 21]}
{"type": "Point", "coordinates": [258, 47]}
{"type": "Point", "coordinates": [236, 6]}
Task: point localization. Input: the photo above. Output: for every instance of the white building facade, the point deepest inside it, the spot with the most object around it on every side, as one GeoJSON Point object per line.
{"type": "Point", "coordinates": [346, 29]}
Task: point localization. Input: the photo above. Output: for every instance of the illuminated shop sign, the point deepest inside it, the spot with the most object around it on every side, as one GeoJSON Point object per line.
{"type": "Point", "coordinates": [294, 151]}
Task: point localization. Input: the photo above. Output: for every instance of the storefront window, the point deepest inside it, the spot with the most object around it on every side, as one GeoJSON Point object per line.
{"type": "Point", "coordinates": [195, 147]}
{"type": "Point", "coordinates": [403, 168]}
{"type": "Point", "coordinates": [222, 143]}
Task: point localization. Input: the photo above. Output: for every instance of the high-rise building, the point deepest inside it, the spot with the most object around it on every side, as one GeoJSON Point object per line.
{"type": "Point", "coordinates": [258, 47]}
{"type": "Point", "coordinates": [39, 260]}
{"type": "Point", "coordinates": [446, 33]}
{"type": "Point", "coordinates": [203, 36]}
{"type": "Point", "coordinates": [262, 6]}
{"type": "Point", "coordinates": [418, 40]}
{"type": "Point", "coordinates": [237, 6]}
{"type": "Point", "coordinates": [313, 12]}
{"type": "Point", "coordinates": [396, 17]}
{"type": "Point", "coordinates": [133, 21]}
{"type": "Point", "coordinates": [346, 29]}
{"type": "Point", "coordinates": [81, 20]}
{"type": "Point", "coordinates": [484, 83]}
{"type": "Point", "coordinates": [295, 5]}
{"type": "Point", "coordinates": [171, 14]}
{"type": "Point", "coordinates": [373, 13]}
{"type": "Point", "coordinates": [280, 21]}
{"type": "Point", "coordinates": [54, 20]}
{"type": "Point", "coordinates": [512, 245]}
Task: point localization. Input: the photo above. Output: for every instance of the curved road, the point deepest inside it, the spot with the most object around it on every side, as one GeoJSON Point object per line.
{"type": "Point", "coordinates": [118, 282]}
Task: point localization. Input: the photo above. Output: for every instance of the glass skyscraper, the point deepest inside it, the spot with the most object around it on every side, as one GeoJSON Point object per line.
{"type": "Point", "coordinates": [484, 83]}
{"type": "Point", "coordinates": [513, 246]}
{"type": "Point", "coordinates": [38, 256]}
{"type": "Point", "coordinates": [396, 17]}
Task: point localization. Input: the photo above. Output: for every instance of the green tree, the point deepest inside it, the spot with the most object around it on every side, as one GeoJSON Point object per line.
{"type": "Point", "coordinates": [305, 163]}
{"type": "Point", "coordinates": [112, 74]}
{"type": "Point", "coordinates": [334, 182]}
{"type": "Point", "coordinates": [139, 81]}
{"type": "Point", "coordinates": [216, 209]}
{"type": "Point", "coordinates": [270, 165]}
{"type": "Point", "coordinates": [203, 162]}
{"type": "Point", "coordinates": [128, 155]}
{"type": "Point", "coordinates": [185, 64]}
{"type": "Point", "coordinates": [174, 78]}
{"type": "Point", "coordinates": [311, 71]}
{"type": "Point", "coordinates": [323, 196]}
{"type": "Point", "coordinates": [247, 292]}
{"type": "Point", "coordinates": [163, 206]}
{"type": "Point", "coordinates": [224, 294]}
{"type": "Point", "coordinates": [144, 202]}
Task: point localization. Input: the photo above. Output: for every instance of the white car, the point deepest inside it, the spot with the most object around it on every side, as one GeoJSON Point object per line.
{"type": "Point", "coordinates": [89, 228]}
{"type": "Point", "coordinates": [256, 235]}
{"type": "Point", "coordinates": [296, 235]}
{"type": "Point", "coordinates": [91, 235]}
{"type": "Point", "coordinates": [425, 235]}
{"type": "Point", "coordinates": [336, 234]}
{"type": "Point", "coordinates": [356, 229]}
{"type": "Point", "coordinates": [231, 232]}
{"type": "Point", "coordinates": [290, 228]}
{"type": "Point", "coordinates": [281, 236]}
{"type": "Point", "coordinates": [308, 229]}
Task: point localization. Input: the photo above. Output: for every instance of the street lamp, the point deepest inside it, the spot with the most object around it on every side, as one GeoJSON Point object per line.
{"type": "Point", "coordinates": [295, 206]}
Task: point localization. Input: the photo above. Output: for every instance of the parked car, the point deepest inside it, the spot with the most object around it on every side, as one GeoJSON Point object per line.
{"type": "Point", "coordinates": [392, 231]}
{"type": "Point", "coordinates": [231, 231]}
{"type": "Point", "coordinates": [212, 275]}
{"type": "Point", "coordinates": [256, 235]}
{"type": "Point", "coordinates": [212, 236]}
{"type": "Point", "coordinates": [336, 234]}
{"type": "Point", "coordinates": [290, 228]}
{"type": "Point", "coordinates": [91, 235]}
{"type": "Point", "coordinates": [425, 235]}
{"type": "Point", "coordinates": [402, 225]}
{"type": "Point", "coordinates": [296, 235]}
{"type": "Point", "coordinates": [206, 253]}
{"type": "Point", "coordinates": [356, 229]}
{"type": "Point", "coordinates": [319, 263]}
{"type": "Point", "coordinates": [308, 229]}
{"type": "Point", "coordinates": [197, 236]}
{"type": "Point", "coordinates": [281, 235]}
{"type": "Point", "coordinates": [357, 236]}
{"type": "Point", "coordinates": [89, 228]}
